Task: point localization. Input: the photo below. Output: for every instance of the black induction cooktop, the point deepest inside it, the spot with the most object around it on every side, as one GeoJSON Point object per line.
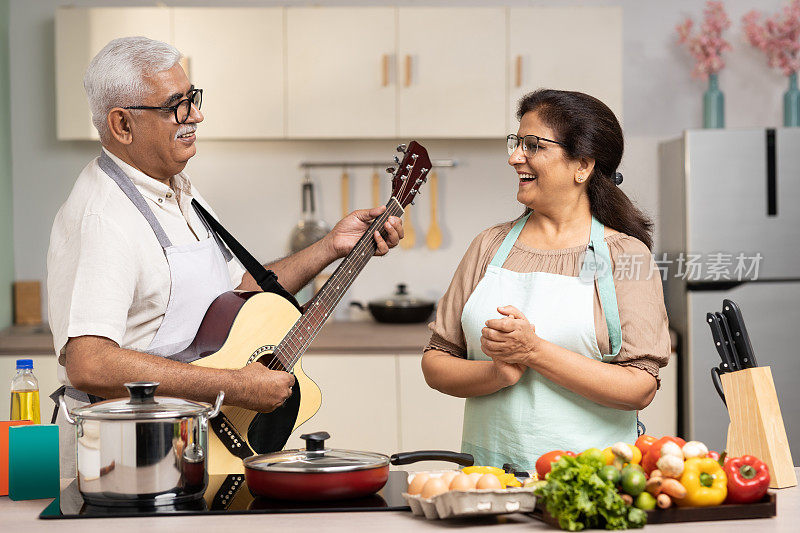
{"type": "Point", "coordinates": [230, 495]}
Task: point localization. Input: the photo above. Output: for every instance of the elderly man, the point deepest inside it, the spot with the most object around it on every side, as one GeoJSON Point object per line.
{"type": "Point", "coordinates": [130, 261]}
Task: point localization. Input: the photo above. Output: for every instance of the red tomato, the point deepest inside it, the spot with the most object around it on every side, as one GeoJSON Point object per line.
{"type": "Point", "coordinates": [644, 443]}
{"type": "Point", "coordinates": [545, 462]}
{"type": "Point", "coordinates": [714, 455]}
{"type": "Point", "coordinates": [654, 453]}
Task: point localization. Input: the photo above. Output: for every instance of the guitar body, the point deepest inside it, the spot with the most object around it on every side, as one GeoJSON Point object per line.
{"type": "Point", "coordinates": [240, 329]}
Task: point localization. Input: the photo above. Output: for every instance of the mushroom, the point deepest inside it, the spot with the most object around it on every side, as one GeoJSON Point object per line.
{"type": "Point", "coordinates": [670, 448]}
{"type": "Point", "coordinates": [670, 466]}
{"type": "Point", "coordinates": [694, 448]}
{"type": "Point", "coordinates": [622, 454]}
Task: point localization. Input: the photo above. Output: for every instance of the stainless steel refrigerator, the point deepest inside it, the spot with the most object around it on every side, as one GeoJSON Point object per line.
{"type": "Point", "coordinates": [729, 224]}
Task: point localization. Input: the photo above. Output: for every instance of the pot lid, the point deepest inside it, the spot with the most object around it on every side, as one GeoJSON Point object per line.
{"type": "Point", "coordinates": [401, 299]}
{"type": "Point", "coordinates": [143, 404]}
{"type": "Point", "coordinates": [316, 458]}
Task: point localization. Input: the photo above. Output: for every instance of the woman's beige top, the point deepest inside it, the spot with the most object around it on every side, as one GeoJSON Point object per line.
{"type": "Point", "coordinates": [637, 280]}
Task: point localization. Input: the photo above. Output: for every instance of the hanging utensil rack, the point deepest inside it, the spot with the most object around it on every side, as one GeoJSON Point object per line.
{"type": "Point", "coordinates": [371, 164]}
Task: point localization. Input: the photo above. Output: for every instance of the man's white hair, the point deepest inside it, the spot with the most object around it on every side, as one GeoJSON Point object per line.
{"type": "Point", "coordinates": [116, 77]}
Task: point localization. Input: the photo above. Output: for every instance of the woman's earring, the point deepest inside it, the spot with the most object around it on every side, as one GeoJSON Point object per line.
{"type": "Point", "coordinates": [580, 179]}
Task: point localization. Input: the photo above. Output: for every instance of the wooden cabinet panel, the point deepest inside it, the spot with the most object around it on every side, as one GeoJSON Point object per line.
{"type": "Point", "coordinates": [340, 80]}
{"type": "Point", "coordinates": [429, 420]}
{"type": "Point", "coordinates": [359, 402]}
{"type": "Point", "coordinates": [236, 56]}
{"type": "Point", "coordinates": [569, 49]}
{"type": "Point", "coordinates": [80, 34]}
{"type": "Point", "coordinates": [452, 78]}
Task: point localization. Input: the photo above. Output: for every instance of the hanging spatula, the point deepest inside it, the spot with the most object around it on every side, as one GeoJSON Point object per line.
{"type": "Point", "coordinates": [345, 193]}
{"type": "Point", "coordinates": [434, 237]}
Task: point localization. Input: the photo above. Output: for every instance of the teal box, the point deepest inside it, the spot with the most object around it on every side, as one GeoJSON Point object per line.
{"type": "Point", "coordinates": [33, 462]}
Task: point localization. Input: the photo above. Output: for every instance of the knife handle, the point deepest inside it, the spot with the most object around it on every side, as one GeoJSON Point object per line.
{"type": "Point", "coordinates": [728, 338]}
{"type": "Point", "coordinates": [719, 342]}
{"type": "Point", "coordinates": [740, 337]}
{"type": "Point", "coordinates": [715, 379]}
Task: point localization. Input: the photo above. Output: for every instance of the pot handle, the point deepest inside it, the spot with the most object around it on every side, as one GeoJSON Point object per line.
{"type": "Point", "coordinates": [405, 458]}
{"type": "Point", "coordinates": [217, 405]}
{"type": "Point", "coordinates": [62, 406]}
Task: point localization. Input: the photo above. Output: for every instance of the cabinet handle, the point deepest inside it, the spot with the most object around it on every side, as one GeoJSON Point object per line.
{"type": "Point", "coordinates": [408, 71]}
{"type": "Point", "coordinates": [385, 70]}
{"type": "Point", "coordinates": [518, 72]}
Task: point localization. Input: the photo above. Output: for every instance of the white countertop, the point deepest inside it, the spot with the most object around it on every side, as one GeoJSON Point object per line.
{"type": "Point", "coordinates": [23, 517]}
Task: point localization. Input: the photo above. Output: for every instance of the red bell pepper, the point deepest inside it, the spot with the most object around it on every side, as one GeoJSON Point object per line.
{"type": "Point", "coordinates": [654, 453]}
{"type": "Point", "coordinates": [748, 479]}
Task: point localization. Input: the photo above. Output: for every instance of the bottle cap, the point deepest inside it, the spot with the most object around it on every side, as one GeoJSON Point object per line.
{"type": "Point", "coordinates": [24, 364]}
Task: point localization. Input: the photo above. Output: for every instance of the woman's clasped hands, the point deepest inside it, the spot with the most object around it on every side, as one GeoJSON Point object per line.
{"type": "Point", "coordinates": [511, 342]}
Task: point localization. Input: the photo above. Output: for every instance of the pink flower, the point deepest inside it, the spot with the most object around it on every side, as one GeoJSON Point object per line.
{"type": "Point", "coordinates": [708, 45]}
{"type": "Point", "coordinates": [778, 37]}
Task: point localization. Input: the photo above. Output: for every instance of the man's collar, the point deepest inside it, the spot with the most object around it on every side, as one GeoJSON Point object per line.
{"type": "Point", "coordinates": [151, 187]}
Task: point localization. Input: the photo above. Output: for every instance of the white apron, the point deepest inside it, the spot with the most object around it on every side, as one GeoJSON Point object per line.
{"type": "Point", "coordinates": [519, 423]}
{"type": "Point", "coordinates": [198, 274]}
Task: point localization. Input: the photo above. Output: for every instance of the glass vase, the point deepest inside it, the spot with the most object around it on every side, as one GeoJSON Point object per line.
{"type": "Point", "coordinates": [791, 103]}
{"type": "Point", "coordinates": [713, 105]}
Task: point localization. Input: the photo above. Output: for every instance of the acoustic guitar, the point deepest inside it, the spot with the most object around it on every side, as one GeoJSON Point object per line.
{"type": "Point", "coordinates": [241, 328]}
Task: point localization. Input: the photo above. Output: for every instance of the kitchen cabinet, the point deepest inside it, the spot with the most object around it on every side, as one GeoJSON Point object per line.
{"type": "Point", "coordinates": [340, 80]}
{"type": "Point", "coordinates": [429, 420]}
{"type": "Point", "coordinates": [240, 69]}
{"type": "Point", "coordinates": [359, 401]}
{"type": "Point", "coordinates": [80, 34]}
{"type": "Point", "coordinates": [380, 403]}
{"type": "Point", "coordinates": [365, 72]}
{"type": "Point", "coordinates": [573, 49]}
{"type": "Point", "coordinates": [451, 69]}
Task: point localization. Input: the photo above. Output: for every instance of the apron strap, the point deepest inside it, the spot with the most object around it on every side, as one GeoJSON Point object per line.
{"type": "Point", "coordinates": [224, 249]}
{"type": "Point", "coordinates": [597, 264]}
{"type": "Point", "coordinates": [115, 173]}
{"type": "Point", "coordinates": [501, 255]}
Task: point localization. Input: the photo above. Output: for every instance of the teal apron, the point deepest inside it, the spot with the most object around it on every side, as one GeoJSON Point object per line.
{"type": "Point", "coordinates": [519, 423]}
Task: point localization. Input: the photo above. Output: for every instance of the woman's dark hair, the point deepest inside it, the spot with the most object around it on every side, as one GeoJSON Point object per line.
{"type": "Point", "coordinates": [588, 128]}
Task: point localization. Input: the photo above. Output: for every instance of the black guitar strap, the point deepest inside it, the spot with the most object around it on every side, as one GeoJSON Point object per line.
{"type": "Point", "coordinates": [266, 279]}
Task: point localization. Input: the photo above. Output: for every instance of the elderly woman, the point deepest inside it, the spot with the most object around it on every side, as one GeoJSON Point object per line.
{"type": "Point", "coordinates": [554, 326]}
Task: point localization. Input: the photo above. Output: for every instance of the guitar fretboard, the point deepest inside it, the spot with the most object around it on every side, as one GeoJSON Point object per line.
{"type": "Point", "coordinates": [319, 308]}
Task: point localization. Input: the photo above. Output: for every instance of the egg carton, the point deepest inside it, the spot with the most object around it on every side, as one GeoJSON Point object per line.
{"type": "Point", "coordinates": [477, 502]}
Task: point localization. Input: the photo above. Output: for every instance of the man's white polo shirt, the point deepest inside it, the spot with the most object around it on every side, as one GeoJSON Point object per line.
{"type": "Point", "coordinates": [107, 275]}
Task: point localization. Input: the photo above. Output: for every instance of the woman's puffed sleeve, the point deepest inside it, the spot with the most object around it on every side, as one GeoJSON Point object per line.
{"type": "Point", "coordinates": [447, 333]}
{"type": "Point", "coordinates": [640, 298]}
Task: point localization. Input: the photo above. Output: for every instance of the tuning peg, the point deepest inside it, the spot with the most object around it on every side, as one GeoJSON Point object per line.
{"type": "Point", "coordinates": [402, 148]}
{"type": "Point", "coordinates": [397, 160]}
{"type": "Point", "coordinates": [390, 170]}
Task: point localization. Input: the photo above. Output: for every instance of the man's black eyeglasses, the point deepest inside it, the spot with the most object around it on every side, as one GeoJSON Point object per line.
{"type": "Point", "coordinates": [182, 109]}
{"type": "Point", "coordinates": [530, 143]}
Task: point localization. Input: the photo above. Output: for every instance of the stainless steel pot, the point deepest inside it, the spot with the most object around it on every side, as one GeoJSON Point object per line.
{"type": "Point", "coordinates": [142, 450]}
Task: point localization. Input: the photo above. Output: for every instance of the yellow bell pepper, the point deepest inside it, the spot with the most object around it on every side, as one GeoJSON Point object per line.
{"type": "Point", "coordinates": [483, 470]}
{"type": "Point", "coordinates": [637, 455]}
{"type": "Point", "coordinates": [608, 456]}
{"type": "Point", "coordinates": [705, 482]}
{"type": "Point", "coordinates": [509, 480]}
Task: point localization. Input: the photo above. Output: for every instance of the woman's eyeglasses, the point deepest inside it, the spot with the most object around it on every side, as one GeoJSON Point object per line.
{"type": "Point", "coordinates": [182, 109]}
{"type": "Point", "coordinates": [530, 144]}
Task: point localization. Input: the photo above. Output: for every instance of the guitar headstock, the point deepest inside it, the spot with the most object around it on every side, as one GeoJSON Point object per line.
{"type": "Point", "coordinates": [411, 172]}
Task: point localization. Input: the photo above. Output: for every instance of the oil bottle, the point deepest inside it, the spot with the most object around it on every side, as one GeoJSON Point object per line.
{"type": "Point", "coordinates": [25, 393]}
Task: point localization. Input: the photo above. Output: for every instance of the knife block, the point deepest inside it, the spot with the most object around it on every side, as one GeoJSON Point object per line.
{"type": "Point", "coordinates": [756, 423]}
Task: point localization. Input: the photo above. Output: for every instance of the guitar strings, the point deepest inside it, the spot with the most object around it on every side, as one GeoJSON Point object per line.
{"type": "Point", "coordinates": [364, 243]}
{"type": "Point", "coordinates": [314, 309]}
